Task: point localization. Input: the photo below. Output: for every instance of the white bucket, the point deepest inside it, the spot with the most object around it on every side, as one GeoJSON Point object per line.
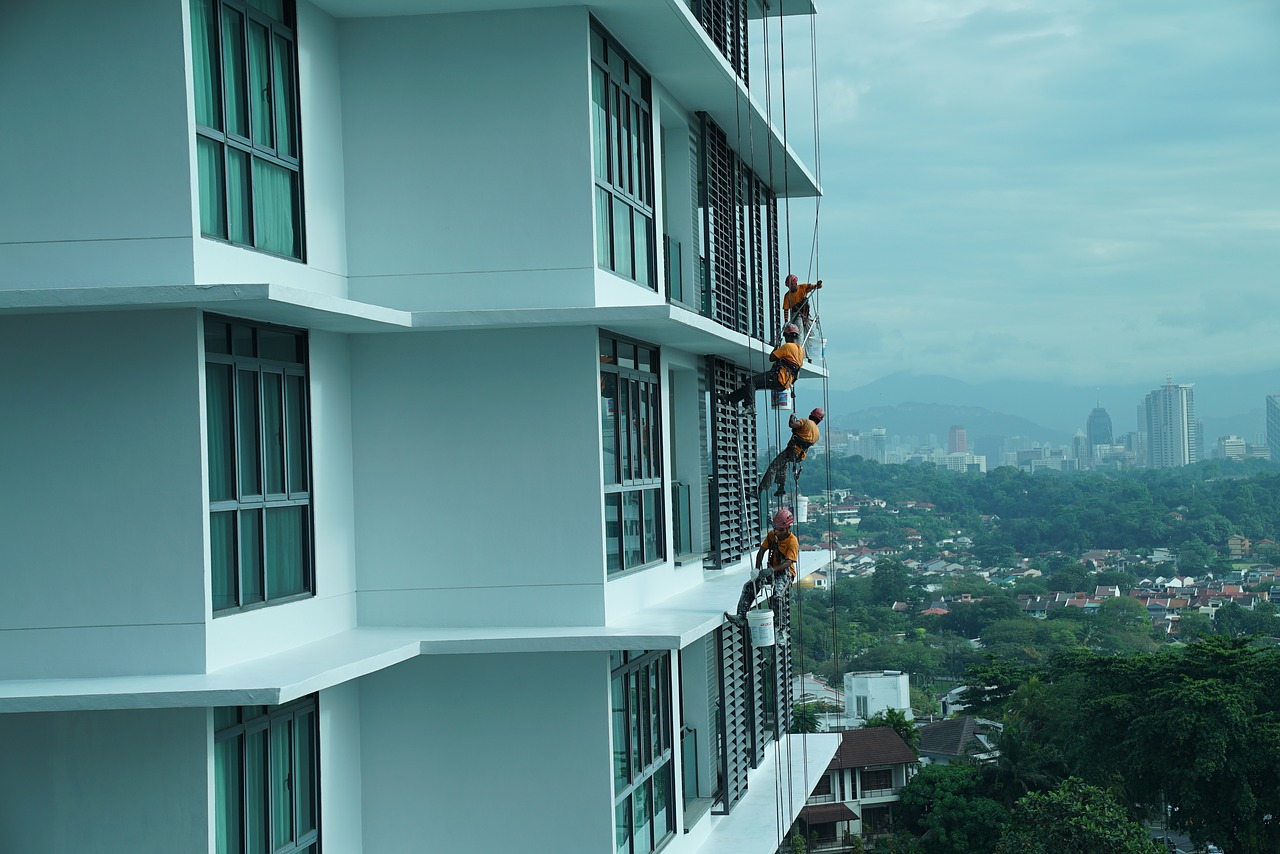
{"type": "Point", "coordinates": [802, 509]}
{"type": "Point", "coordinates": [760, 623]}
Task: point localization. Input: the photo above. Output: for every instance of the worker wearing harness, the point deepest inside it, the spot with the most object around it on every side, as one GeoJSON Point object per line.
{"type": "Point", "coordinates": [784, 550]}
{"type": "Point", "coordinates": [787, 359]}
{"type": "Point", "coordinates": [804, 435]}
{"type": "Point", "coordinates": [795, 305]}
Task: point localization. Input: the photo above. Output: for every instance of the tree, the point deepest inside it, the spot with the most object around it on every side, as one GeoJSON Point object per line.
{"type": "Point", "coordinates": [889, 582]}
{"type": "Point", "coordinates": [923, 702]}
{"type": "Point", "coordinates": [1075, 817]}
{"type": "Point", "coordinates": [942, 806]}
{"type": "Point", "coordinates": [804, 717]}
{"type": "Point", "coordinates": [901, 724]}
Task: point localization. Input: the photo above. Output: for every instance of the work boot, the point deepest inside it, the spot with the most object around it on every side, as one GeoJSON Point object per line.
{"type": "Point", "coordinates": [737, 619]}
{"type": "Point", "coordinates": [780, 492]}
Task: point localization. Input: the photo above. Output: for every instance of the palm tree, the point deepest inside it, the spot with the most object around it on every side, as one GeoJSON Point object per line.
{"type": "Point", "coordinates": [901, 724]}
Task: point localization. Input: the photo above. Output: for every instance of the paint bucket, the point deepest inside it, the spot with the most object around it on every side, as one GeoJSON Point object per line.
{"type": "Point", "coordinates": [760, 624]}
{"type": "Point", "coordinates": [802, 509]}
{"type": "Point", "coordinates": [782, 399]}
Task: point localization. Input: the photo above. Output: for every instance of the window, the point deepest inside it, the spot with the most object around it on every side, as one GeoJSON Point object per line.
{"type": "Point", "coordinates": [631, 449]}
{"type": "Point", "coordinates": [245, 70]}
{"type": "Point", "coordinates": [622, 146]}
{"type": "Point", "coordinates": [876, 780]}
{"type": "Point", "coordinates": [640, 690]}
{"type": "Point", "coordinates": [266, 774]}
{"type": "Point", "coordinates": [259, 463]}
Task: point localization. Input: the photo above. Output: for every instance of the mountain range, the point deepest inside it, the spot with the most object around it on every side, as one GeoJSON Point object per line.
{"type": "Point", "coordinates": [919, 404]}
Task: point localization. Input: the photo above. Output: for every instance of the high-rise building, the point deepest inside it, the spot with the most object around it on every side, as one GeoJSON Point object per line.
{"type": "Point", "coordinates": [956, 441]}
{"type": "Point", "coordinates": [1082, 449]}
{"type": "Point", "coordinates": [296, 301]}
{"type": "Point", "coordinates": [1231, 448]}
{"type": "Point", "coordinates": [1098, 427]}
{"type": "Point", "coordinates": [1172, 430]}
{"type": "Point", "coordinates": [1273, 425]}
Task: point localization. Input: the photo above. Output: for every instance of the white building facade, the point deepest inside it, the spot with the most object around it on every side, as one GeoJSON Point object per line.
{"type": "Point", "coordinates": [326, 283]}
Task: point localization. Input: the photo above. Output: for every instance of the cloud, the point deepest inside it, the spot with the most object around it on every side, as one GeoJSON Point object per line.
{"type": "Point", "coordinates": [1018, 189]}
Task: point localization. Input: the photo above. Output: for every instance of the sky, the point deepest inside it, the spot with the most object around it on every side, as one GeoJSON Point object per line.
{"type": "Point", "coordinates": [1083, 192]}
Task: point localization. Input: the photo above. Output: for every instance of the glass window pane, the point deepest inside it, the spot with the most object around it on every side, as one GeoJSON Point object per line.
{"type": "Point", "coordinates": [304, 788]}
{"type": "Point", "coordinates": [204, 62]}
{"type": "Point", "coordinates": [242, 340]}
{"type": "Point", "coordinates": [221, 439]}
{"type": "Point", "coordinates": [222, 557]}
{"type": "Point", "coordinates": [225, 716]}
{"type": "Point", "coordinates": [643, 226]}
{"type": "Point", "coordinates": [255, 816]}
{"type": "Point", "coordinates": [619, 698]}
{"type": "Point", "coordinates": [217, 336]}
{"type": "Point", "coordinates": [296, 425]}
{"type": "Point", "coordinates": [250, 556]}
{"type": "Point", "coordinates": [633, 715]}
{"type": "Point", "coordinates": [613, 532]}
{"type": "Point", "coordinates": [260, 112]}
{"type": "Point", "coordinates": [652, 525]}
{"type": "Point", "coordinates": [286, 138]}
{"type": "Point", "coordinates": [274, 8]}
{"type": "Point", "coordinates": [275, 209]}
{"type": "Point", "coordinates": [599, 123]}
{"type": "Point", "coordinates": [233, 72]}
{"type": "Point", "coordinates": [279, 346]}
{"type": "Point", "coordinates": [655, 713]}
{"type": "Point", "coordinates": [622, 239]}
{"type": "Point", "coordinates": [273, 431]}
{"type": "Point", "coordinates": [239, 198]}
{"type": "Point", "coordinates": [604, 229]}
{"type": "Point", "coordinates": [609, 426]}
{"type": "Point", "coordinates": [631, 529]}
{"type": "Point", "coordinates": [640, 806]}
{"type": "Point", "coordinates": [644, 713]}
{"type": "Point", "coordinates": [209, 164]}
{"type": "Point", "coordinates": [228, 795]}
{"type": "Point", "coordinates": [281, 771]}
{"type": "Point", "coordinates": [625, 415]}
{"type": "Point", "coordinates": [247, 432]}
{"type": "Point", "coordinates": [286, 542]}
{"type": "Point", "coordinates": [622, 826]}
{"type": "Point", "coordinates": [663, 816]}
{"type": "Point", "coordinates": [626, 355]}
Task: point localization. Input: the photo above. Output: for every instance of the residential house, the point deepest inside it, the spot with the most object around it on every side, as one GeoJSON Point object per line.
{"type": "Point", "coordinates": [857, 794]}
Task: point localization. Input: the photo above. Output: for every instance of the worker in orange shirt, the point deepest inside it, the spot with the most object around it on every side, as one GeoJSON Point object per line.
{"type": "Point", "coordinates": [787, 359]}
{"type": "Point", "coordinates": [795, 305]}
{"type": "Point", "coordinates": [804, 435]}
{"type": "Point", "coordinates": [783, 550]}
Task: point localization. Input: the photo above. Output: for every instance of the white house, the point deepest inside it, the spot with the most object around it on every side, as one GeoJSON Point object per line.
{"type": "Point", "coordinates": [868, 693]}
{"type": "Point", "coordinates": [303, 282]}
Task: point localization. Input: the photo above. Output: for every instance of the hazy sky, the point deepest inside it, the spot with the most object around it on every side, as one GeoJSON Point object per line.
{"type": "Point", "coordinates": [1070, 190]}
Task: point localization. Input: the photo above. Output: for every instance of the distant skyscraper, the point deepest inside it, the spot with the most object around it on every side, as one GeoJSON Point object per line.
{"type": "Point", "coordinates": [1172, 430]}
{"type": "Point", "coordinates": [1098, 427]}
{"type": "Point", "coordinates": [1081, 449]}
{"type": "Point", "coordinates": [956, 441]}
{"type": "Point", "coordinates": [1273, 425]}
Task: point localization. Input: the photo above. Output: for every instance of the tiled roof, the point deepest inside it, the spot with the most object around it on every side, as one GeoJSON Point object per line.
{"type": "Point", "coordinates": [953, 737]}
{"type": "Point", "coordinates": [877, 745]}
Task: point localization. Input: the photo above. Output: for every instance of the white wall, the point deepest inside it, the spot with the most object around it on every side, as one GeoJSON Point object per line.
{"type": "Point", "coordinates": [121, 781]}
{"type": "Point", "coordinates": [96, 144]}
{"type": "Point", "coordinates": [101, 505]}
{"type": "Point", "coordinates": [449, 767]}
{"type": "Point", "coordinates": [245, 636]}
{"type": "Point", "coordinates": [477, 477]}
{"type": "Point", "coordinates": [341, 825]}
{"type": "Point", "coordinates": [467, 143]}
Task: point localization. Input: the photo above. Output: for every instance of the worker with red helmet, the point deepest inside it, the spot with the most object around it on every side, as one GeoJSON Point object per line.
{"type": "Point", "coordinates": [804, 435]}
{"type": "Point", "coordinates": [795, 303]}
{"type": "Point", "coordinates": [783, 550]}
{"type": "Point", "coordinates": [787, 359]}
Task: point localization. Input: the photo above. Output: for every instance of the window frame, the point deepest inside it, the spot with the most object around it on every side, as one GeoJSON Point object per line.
{"type": "Point", "coordinates": [652, 736]}
{"type": "Point", "coordinates": [294, 375]}
{"type": "Point", "coordinates": [255, 150]}
{"type": "Point", "coordinates": [625, 182]}
{"type": "Point", "coordinates": [250, 721]}
{"type": "Point", "coordinates": [636, 473]}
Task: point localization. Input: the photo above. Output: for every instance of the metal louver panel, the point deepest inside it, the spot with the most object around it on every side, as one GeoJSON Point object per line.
{"type": "Point", "coordinates": [735, 505]}
{"type": "Point", "coordinates": [726, 24]}
{"type": "Point", "coordinates": [736, 731]}
{"type": "Point", "coordinates": [781, 605]}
